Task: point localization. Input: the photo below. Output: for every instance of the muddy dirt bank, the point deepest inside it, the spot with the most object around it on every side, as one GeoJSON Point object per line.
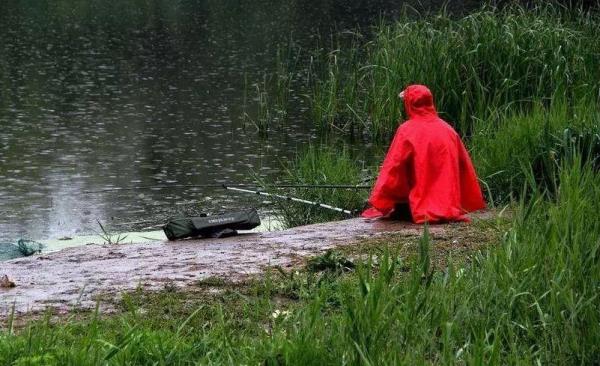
{"type": "Point", "coordinates": [76, 276]}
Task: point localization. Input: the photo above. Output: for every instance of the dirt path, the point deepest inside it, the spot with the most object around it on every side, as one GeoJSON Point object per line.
{"type": "Point", "coordinates": [76, 276]}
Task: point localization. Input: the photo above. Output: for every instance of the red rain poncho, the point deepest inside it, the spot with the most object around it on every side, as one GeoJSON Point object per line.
{"type": "Point", "coordinates": [427, 166]}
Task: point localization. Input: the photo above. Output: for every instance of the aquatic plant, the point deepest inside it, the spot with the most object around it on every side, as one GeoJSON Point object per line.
{"type": "Point", "coordinates": [272, 99]}
{"type": "Point", "coordinates": [335, 85]}
{"type": "Point", "coordinates": [264, 116]}
{"type": "Point", "coordinates": [110, 237]}
{"type": "Point", "coordinates": [519, 84]}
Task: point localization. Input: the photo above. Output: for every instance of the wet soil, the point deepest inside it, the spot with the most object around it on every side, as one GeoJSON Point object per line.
{"type": "Point", "coordinates": [77, 277]}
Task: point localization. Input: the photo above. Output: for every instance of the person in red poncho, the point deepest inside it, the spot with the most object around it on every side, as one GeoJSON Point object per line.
{"type": "Point", "coordinates": [427, 168]}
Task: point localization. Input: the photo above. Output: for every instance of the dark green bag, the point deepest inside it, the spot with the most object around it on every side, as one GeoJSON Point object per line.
{"type": "Point", "coordinates": [211, 226]}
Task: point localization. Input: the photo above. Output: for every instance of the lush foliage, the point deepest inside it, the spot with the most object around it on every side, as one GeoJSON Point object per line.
{"type": "Point", "coordinates": [504, 146]}
{"type": "Point", "coordinates": [488, 61]}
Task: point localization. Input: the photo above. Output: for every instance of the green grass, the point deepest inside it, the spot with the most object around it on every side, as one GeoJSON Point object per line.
{"type": "Point", "coordinates": [272, 94]}
{"type": "Point", "coordinates": [323, 165]}
{"type": "Point", "coordinates": [488, 61]}
{"type": "Point", "coordinates": [505, 145]}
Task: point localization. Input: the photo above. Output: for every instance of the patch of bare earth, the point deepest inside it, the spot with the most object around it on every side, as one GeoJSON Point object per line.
{"type": "Point", "coordinates": [78, 277]}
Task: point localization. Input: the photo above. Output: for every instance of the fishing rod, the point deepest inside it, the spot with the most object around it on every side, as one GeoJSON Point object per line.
{"type": "Point", "coordinates": [288, 198]}
{"type": "Point", "coordinates": [216, 185]}
{"type": "Point", "coordinates": [235, 188]}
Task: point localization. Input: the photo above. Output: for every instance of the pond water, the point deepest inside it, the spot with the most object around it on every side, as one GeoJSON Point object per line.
{"type": "Point", "coordinates": [96, 95]}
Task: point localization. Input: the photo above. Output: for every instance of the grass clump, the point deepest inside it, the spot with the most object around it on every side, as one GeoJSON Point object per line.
{"type": "Point", "coordinates": [110, 237]}
{"type": "Point", "coordinates": [330, 261]}
{"type": "Point", "coordinates": [272, 95]}
{"type": "Point", "coordinates": [503, 147]}
{"type": "Point", "coordinates": [487, 61]}
{"type": "Point", "coordinates": [322, 165]}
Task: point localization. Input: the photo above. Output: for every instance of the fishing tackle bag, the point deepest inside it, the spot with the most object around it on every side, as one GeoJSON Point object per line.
{"type": "Point", "coordinates": [215, 226]}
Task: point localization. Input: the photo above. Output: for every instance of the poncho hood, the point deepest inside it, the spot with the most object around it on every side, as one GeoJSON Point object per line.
{"type": "Point", "coordinates": [418, 102]}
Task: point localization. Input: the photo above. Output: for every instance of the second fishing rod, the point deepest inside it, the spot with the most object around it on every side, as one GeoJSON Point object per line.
{"type": "Point", "coordinates": [234, 185]}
